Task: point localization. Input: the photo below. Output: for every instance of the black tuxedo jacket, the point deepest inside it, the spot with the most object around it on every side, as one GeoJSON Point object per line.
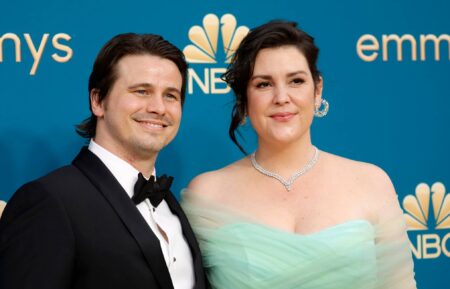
{"type": "Point", "coordinates": [77, 228]}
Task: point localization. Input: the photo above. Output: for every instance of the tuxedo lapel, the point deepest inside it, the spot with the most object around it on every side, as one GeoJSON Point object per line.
{"type": "Point", "coordinates": [109, 187]}
{"type": "Point", "coordinates": [191, 240]}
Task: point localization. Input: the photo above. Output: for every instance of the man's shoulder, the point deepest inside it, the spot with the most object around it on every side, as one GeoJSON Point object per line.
{"type": "Point", "coordinates": [64, 176]}
{"type": "Point", "coordinates": [45, 192]}
{"type": "Point", "coordinates": [64, 173]}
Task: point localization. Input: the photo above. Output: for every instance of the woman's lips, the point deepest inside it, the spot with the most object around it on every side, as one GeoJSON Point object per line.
{"type": "Point", "coordinates": [282, 116]}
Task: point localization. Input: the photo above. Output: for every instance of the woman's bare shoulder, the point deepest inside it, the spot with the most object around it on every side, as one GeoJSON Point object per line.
{"type": "Point", "coordinates": [367, 182]}
{"type": "Point", "coordinates": [368, 177]}
{"type": "Point", "coordinates": [216, 183]}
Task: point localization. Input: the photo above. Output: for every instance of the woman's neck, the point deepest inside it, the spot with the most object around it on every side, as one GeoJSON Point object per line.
{"type": "Point", "coordinates": [284, 159]}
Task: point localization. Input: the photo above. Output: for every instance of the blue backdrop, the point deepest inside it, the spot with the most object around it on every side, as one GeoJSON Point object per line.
{"type": "Point", "coordinates": [386, 68]}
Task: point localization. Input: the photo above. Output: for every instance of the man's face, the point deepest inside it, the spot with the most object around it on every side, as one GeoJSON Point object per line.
{"type": "Point", "coordinates": [142, 112]}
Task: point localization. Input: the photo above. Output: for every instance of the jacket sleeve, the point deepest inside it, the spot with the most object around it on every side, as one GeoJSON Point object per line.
{"type": "Point", "coordinates": [36, 241]}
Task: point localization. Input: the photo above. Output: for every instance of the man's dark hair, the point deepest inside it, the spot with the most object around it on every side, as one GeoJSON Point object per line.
{"type": "Point", "coordinates": [104, 72]}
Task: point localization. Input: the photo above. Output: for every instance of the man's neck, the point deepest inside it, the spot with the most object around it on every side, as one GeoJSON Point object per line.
{"type": "Point", "coordinates": [145, 164]}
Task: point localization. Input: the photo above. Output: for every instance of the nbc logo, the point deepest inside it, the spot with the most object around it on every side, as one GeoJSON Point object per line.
{"type": "Point", "coordinates": [207, 49]}
{"type": "Point", "coordinates": [428, 209]}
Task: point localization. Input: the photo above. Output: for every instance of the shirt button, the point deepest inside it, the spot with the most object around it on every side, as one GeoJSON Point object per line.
{"type": "Point", "coordinates": [174, 259]}
{"type": "Point", "coordinates": [154, 209]}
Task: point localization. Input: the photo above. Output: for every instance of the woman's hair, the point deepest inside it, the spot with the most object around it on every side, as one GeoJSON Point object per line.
{"type": "Point", "coordinates": [270, 35]}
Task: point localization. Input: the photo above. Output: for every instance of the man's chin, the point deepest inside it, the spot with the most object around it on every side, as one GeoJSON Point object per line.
{"type": "Point", "coordinates": [151, 148]}
{"type": "Point", "coordinates": [151, 145]}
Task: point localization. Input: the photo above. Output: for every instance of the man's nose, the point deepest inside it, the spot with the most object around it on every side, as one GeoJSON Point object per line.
{"type": "Point", "coordinates": [155, 104]}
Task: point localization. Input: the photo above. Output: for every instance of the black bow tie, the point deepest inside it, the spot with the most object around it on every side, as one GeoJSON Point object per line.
{"type": "Point", "coordinates": [154, 190]}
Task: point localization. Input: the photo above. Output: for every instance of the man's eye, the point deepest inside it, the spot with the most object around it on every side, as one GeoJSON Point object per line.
{"type": "Point", "coordinates": [141, 91]}
{"type": "Point", "coordinates": [171, 96]}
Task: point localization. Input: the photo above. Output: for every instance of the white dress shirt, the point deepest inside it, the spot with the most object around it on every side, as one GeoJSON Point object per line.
{"type": "Point", "coordinates": [176, 251]}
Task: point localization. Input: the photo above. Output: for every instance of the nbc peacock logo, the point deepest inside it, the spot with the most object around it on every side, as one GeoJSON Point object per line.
{"type": "Point", "coordinates": [428, 219]}
{"type": "Point", "coordinates": [213, 46]}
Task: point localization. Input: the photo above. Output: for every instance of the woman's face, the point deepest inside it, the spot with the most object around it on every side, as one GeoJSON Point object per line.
{"type": "Point", "coordinates": [281, 95]}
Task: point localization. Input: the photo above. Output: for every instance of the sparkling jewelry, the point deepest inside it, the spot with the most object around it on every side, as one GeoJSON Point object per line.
{"type": "Point", "coordinates": [286, 183]}
{"type": "Point", "coordinates": [325, 107]}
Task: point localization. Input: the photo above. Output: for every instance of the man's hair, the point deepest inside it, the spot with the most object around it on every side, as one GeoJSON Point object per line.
{"type": "Point", "coordinates": [104, 72]}
{"type": "Point", "coordinates": [269, 35]}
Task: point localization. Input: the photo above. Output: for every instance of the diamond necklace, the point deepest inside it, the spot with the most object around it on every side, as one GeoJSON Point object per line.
{"type": "Point", "coordinates": [286, 183]}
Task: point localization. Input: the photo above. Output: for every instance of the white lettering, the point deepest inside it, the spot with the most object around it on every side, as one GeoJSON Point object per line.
{"type": "Point", "coordinates": [217, 80]}
{"type": "Point", "coordinates": [61, 47]}
{"type": "Point", "coordinates": [436, 41]}
{"type": "Point", "coordinates": [444, 245]}
{"type": "Point", "coordinates": [16, 40]}
{"type": "Point", "coordinates": [37, 54]}
{"type": "Point", "coordinates": [434, 246]}
{"type": "Point", "coordinates": [417, 251]}
{"type": "Point", "coordinates": [399, 41]}
{"type": "Point", "coordinates": [204, 86]}
{"type": "Point", "coordinates": [368, 46]}
{"type": "Point", "coordinates": [367, 43]}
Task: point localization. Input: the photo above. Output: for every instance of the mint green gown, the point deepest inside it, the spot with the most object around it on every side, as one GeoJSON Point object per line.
{"type": "Point", "coordinates": [239, 253]}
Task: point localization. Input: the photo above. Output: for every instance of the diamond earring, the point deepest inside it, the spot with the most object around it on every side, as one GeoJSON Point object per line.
{"type": "Point", "coordinates": [322, 109]}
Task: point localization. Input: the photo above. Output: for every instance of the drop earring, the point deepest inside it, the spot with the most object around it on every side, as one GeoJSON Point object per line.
{"type": "Point", "coordinates": [321, 110]}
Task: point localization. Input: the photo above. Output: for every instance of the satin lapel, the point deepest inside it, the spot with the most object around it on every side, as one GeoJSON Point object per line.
{"type": "Point", "coordinates": [190, 238]}
{"type": "Point", "coordinates": [113, 192]}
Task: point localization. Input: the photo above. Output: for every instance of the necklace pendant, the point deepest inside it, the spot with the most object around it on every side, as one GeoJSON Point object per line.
{"type": "Point", "coordinates": [289, 182]}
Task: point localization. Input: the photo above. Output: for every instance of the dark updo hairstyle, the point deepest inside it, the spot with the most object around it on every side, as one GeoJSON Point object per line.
{"type": "Point", "coordinates": [270, 35]}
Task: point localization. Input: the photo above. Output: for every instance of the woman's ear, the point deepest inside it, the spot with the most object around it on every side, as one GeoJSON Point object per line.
{"type": "Point", "coordinates": [318, 92]}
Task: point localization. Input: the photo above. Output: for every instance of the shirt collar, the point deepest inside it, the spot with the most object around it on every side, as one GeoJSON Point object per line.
{"type": "Point", "coordinates": [124, 172]}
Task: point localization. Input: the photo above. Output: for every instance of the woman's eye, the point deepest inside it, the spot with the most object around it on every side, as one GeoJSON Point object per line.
{"type": "Point", "coordinates": [262, 84]}
{"type": "Point", "coordinates": [297, 81]}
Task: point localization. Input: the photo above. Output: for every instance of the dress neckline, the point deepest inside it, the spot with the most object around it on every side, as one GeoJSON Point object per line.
{"type": "Point", "coordinates": [342, 225]}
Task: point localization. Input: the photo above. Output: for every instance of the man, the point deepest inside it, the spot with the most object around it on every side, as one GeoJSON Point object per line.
{"type": "Point", "coordinates": [83, 226]}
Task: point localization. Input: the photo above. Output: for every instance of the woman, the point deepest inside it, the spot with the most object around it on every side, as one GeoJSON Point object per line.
{"type": "Point", "coordinates": [290, 215]}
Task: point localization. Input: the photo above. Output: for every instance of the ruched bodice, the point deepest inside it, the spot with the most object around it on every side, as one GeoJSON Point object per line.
{"type": "Point", "coordinates": [239, 253]}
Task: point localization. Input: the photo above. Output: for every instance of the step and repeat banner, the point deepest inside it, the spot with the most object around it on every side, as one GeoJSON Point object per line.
{"type": "Point", "coordinates": [386, 70]}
